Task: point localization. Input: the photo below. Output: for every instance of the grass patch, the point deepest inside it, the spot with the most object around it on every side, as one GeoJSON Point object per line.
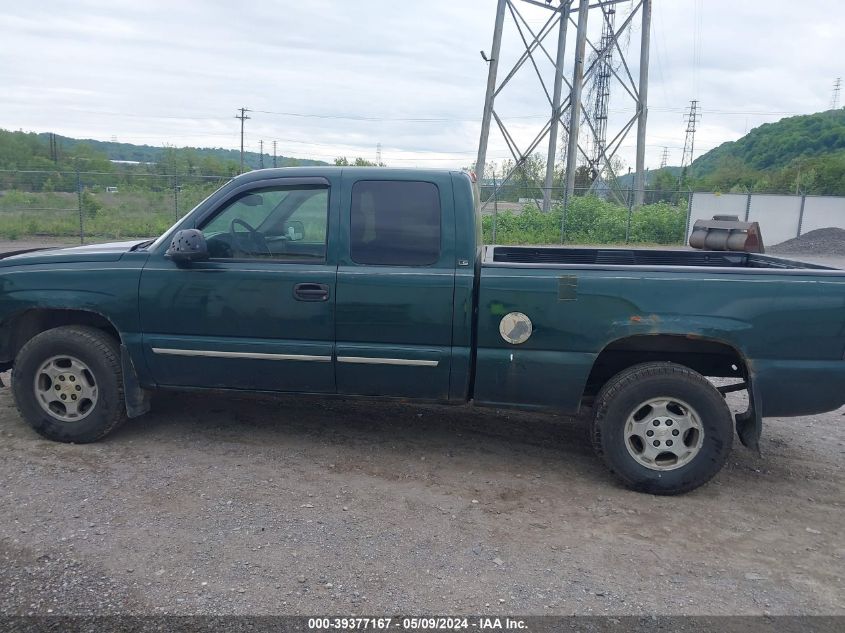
{"type": "Point", "coordinates": [589, 220]}
{"type": "Point", "coordinates": [127, 214]}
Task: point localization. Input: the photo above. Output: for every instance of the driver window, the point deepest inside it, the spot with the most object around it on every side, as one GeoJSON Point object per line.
{"type": "Point", "coordinates": [287, 223]}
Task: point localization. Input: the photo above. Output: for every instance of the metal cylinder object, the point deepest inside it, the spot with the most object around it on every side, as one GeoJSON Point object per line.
{"type": "Point", "coordinates": [726, 233]}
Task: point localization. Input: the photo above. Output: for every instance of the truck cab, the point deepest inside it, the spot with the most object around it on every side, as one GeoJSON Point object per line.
{"type": "Point", "coordinates": [342, 282]}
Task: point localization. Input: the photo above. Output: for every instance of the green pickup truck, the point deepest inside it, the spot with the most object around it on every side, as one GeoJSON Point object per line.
{"type": "Point", "coordinates": [374, 282]}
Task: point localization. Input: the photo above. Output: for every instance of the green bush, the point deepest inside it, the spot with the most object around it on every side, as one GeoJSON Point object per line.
{"type": "Point", "coordinates": [589, 220]}
{"type": "Point", "coordinates": [90, 205]}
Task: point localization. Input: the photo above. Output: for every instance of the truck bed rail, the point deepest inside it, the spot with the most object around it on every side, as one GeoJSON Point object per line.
{"type": "Point", "coordinates": [550, 255]}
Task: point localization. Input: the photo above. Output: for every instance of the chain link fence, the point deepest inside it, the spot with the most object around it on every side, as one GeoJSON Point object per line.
{"type": "Point", "coordinates": [513, 214]}
{"type": "Point", "coordinates": [96, 206]}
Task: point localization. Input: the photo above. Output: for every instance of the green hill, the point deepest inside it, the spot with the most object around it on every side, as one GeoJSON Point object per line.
{"type": "Point", "coordinates": [152, 154]}
{"type": "Point", "coordinates": [805, 153]}
{"type": "Point", "coordinates": [28, 150]}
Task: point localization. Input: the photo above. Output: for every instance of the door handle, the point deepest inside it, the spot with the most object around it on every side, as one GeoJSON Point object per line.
{"type": "Point", "coordinates": [311, 292]}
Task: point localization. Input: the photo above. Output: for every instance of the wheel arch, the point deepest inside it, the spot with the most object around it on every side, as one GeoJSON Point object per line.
{"type": "Point", "coordinates": [21, 327]}
{"type": "Point", "coordinates": [706, 355]}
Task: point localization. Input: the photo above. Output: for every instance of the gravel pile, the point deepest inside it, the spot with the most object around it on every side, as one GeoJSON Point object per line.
{"type": "Point", "coordinates": [829, 241]}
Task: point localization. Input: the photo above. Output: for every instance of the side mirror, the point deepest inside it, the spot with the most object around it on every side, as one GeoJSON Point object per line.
{"type": "Point", "coordinates": [188, 245]}
{"type": "Point", "coordinates": [295, 231]}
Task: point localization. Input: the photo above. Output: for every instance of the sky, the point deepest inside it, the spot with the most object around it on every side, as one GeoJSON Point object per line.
{"type": "Point", "coordinates": [327, 78]}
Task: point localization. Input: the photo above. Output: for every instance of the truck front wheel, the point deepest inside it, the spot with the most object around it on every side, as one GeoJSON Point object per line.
{"type": "Point", "coordinates": [67, 384]}
{"type": "Point", "coordinates": [662, 428]}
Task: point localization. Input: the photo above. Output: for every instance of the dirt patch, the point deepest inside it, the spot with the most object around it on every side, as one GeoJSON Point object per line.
{"type": "Point", "coordinates": [829, 241]}
{"type": "Point", "coordinates": [213, 504]}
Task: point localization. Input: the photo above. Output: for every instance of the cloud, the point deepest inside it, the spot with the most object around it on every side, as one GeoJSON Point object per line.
{"type": "Point", "coordinates": [163, 72]}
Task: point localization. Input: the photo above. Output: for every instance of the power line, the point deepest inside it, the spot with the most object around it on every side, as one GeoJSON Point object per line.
{"type": "Point", "coordinates": [274, 153]}
{"type": "Point", "coordinates": [359, 117]}
{"type": "Point", "coordinates": [243, 117]}
{"type": "Point", "coordinates": [261, 154]}
{"type": "Point", "coordinates": [423, 120]}
{"type": "Point", "coordinates": [664, 158]}
{"type": "Point", "coordinates": [696, 43]}
{"type": "Point", "coordinates": [837, 85]}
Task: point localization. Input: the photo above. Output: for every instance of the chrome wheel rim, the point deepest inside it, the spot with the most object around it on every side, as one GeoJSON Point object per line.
{"type": "Point", "coordinates": [663, 433]}
{"type": "Point", "coordinates": [65, 388]}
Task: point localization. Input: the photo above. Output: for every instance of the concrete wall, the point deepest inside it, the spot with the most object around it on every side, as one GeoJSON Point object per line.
{"type": "Point", "coordinates": [823, 211]}
{"type": "Point", "coordinates": [779, 215]}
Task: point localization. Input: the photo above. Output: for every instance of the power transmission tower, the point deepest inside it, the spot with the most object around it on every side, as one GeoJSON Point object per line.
{"type": "Point", "coordinates": [378, 154]}
{"type": "Point", "coordinates": [261, 154]}
{"type": "Point", "coordinates": [837, 86]}
{"type": "Point", "coordinates": [664, 158]}
{"type": "Point", "coordinates": [691, 118]}
{"type": "Point", "coordinates": [274, 153]}
{"type": "Point", "coordinates": [567, 108]}
{"type": "Point", "coordinates": [243, 117]}
{"type": "Point", "coordinates": [601, 92]}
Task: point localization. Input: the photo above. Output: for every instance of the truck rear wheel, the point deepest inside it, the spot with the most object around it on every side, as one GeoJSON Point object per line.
{"type": "Point", "coordinates": [68, 385]}
{"type": "Point", "coordinates": [662, 428]}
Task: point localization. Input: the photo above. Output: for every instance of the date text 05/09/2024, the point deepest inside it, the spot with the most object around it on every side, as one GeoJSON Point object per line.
{"type": "Point", "coordinates": [416, 623]}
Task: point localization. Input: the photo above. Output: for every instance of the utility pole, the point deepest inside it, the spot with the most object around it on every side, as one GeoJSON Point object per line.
{"type": "Point", "coordinates": [558, 88]}
{"type": "Point", "coordinates": [639, 187]}
{"type": "Point", "coordinates": [243, 117]}
{"type": "Point", "coordinates": [54, 150]}
{"type": "Point", "coordinates": [492, 70]}
{"type": "Point", "coordinates": [664, 158]}
{"type": "Point", "coordinates": [261, 154]}
{"type": "Point", "coordinates": [274, 153]}
{"type": "Point", "coordinates": [575, 104]}
{"type": "Point", "coordinates": [837, 86]}
{"type": "Point", "coordinates": [691, 118]}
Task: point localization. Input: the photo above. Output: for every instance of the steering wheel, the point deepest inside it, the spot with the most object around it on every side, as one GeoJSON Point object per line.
{"type": "Point", "coordinates": [255, 240]}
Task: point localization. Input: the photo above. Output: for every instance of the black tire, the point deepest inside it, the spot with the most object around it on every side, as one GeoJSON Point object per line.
{"type": "Point", "coordinates": [101, 354]}
{"type": "Point", "coordinates": [620, 398]}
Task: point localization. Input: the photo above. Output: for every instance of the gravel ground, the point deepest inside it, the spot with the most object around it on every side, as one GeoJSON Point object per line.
{"type": "Point", "coordinates": [829, 241]}
{"type": "Point", "coordinates": [216, 504]}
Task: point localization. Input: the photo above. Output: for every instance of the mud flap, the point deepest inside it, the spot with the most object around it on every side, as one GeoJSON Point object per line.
{"type": "Point", "coordinates": [137, 398]}
{"type": "Point", "coordinates": [749, 423]}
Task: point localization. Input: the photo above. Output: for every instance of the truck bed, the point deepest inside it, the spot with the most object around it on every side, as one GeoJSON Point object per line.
{"type": "Point", "coordinates": [589, 257]}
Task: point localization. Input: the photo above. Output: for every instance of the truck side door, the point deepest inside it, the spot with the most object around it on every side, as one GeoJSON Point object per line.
{"type": "Point", "coordinates": [259, 314]}
{"type": "Point", "coordinates": [395, 285]}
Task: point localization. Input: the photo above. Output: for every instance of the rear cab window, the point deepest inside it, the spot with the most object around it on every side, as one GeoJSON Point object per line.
{"type": "Point", "coordinates": [395, 223]}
